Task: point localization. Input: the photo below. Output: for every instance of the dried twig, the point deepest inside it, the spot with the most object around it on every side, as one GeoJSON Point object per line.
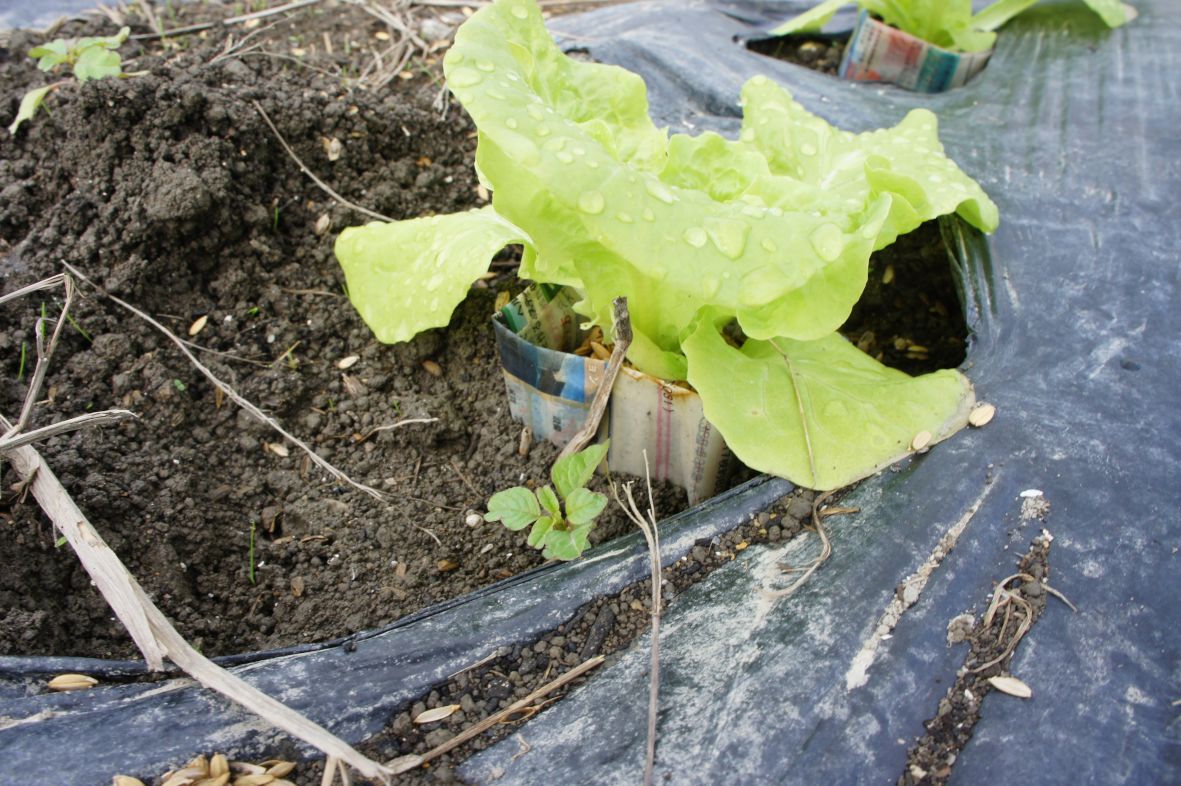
{"type": "Point", "coordinates": [233, 395]}
{"type": "Point", "coordinates": [825, 550]}
{"type": "Point", "coordinates": [63, 426]}
{"type": "Point", "coordinates": [161, 33]}
{"type": "Point", "coordinates": [1003, 598]}
{"type": "Point", "coordinates": [303, 168]}
{"type": "Point", "coordinates": [652, 537]}
{"type": "Point", "coordinates": [407, 763]}
{"type": "Point", "coordinates": [44, 352]}
{"type": "Point", "coordinates": [16, 436]}
{"type": "Point", "coordinates": [623, 339]}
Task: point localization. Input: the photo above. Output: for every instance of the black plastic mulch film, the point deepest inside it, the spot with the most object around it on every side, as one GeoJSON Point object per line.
{"type": "Point", "coordinates": [1073, 303]}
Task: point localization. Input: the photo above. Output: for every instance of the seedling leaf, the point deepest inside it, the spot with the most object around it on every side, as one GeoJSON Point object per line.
{"type": "Point", "coordinates": [549, 501]}
{"type": "Point", "coordinates": [541, 528]}
{"type": "Point", "coordinates": [576, 470]}
{"type": "Point", "coordinates": [567, 544]}
{"type": "Point", "coordinates": [29, 105]}
{"type": "Point", "coordinates": [584, 506]}
{"type": "Point", "coordinates": [517, 508]}
{"type": "Point", "coordinates": [50, 55]}
{"type": "Point", "coordinates": [97, 63]}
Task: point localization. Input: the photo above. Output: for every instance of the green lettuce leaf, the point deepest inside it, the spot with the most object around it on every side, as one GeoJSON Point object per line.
{"type": "Point", "coordinates": [822, 413]}
{"type": "Point", "coordinates": [773, 230]}
{"type": "Point", "coordinates": [408, 276]}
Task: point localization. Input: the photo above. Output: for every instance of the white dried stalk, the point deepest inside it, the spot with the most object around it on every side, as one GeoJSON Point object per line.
{"type": "Point", "coordinates": [652, 537]}
{"type": "Point", "coordinates": [61, 427]}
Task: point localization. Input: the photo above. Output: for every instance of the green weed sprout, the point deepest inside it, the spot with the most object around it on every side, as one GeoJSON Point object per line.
{"type": "Point", "coordinates": [560, 533]}
{"type": "Point", "coordinates": [90, 58]}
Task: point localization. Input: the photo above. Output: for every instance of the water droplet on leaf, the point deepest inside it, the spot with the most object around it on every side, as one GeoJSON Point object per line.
{"type": "Point", "coordinates": [695, 236]}
{"type": "Point", "coordinates": [464, 77]}
{"type": "Point", "coordinates": [728, 236]}
{"type": "Point", "coordinates": [828, 242]}
{"type": "Point", "coordinates": [591, 202]}
{"type": "Point", "coordinates": [659, 190]}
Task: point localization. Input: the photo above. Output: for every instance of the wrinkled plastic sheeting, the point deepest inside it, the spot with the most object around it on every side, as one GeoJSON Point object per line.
{"type": "Point", "coordinates": [1072, 129]}
{"type": "Point", "coordinates": [34, 15]}
{"type": "Point", "coordinates": [352, 687]}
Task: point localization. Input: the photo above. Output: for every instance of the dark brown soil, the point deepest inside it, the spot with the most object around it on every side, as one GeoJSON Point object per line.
{"type": "Point", "coordinates": [819, 54]}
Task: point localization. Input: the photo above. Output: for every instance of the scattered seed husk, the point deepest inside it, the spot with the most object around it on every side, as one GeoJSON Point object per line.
{"type": "Point", "coordinates": [920, 441]}
{"type": "Point", "coordinates": [981, 415]}
{"type": "Point", "coordinates": [66, 682]}
{"type": "Point", "coordinates": [482, 192]}
{"type": "Point", "coordinates": [600, 351]}
{"type": "Point", "coordinates": [473, 519]}
{"type": "Point", "coordinates": [349, 362]}
{"type": "Point", "coordinates": [332, 148]}
{"type": "Point", "coordinates": [526, 441]}
{"type": "Point", "coordinates": [323, 224]}
{"type": "Point", "coordinates": [888, 274]}
{"type": "Point", "coordinates": [198, 325]}
{"type": "Point", "coordinates": [437, 714]}
{"type": "Point", "coordinates": [246, 768]}
{"type": "Point", "coordinates": [126, 780]}
{"type": "Point", "coordinates": [353, 386]}
{"type": "Point", "coordinates": [297, 586]}
{"type": "Point", "coordinates": [186, 776]}
{"type": "Point", "coordinates": [447, 565]}
{"type": "Point", "coordinates": [502, 299]}
{"type": "Point", "coordinates": [219, 780]}
{"type": "Point", "coordinates": [218, 765]}
{"type": "Point", "coordinates": [432, 368]}
{"type": "Point", "coordinates": [278, 448]}
{"type": "Point", "coordinates": [262, 779]}
{"type": "Point", "coordinates": [279, 768]}
{"type": "Point", "coordinates": [1011, 686]}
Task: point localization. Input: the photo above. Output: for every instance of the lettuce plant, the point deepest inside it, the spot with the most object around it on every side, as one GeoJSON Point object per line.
{"type": "Point", "coordinates": [767, 237]}
{"type": "Point", "coordinates": [946, 23]}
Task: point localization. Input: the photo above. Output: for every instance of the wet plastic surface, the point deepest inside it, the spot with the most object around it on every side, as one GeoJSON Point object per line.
{"type": "Point", "coordinates": [1072, 129]}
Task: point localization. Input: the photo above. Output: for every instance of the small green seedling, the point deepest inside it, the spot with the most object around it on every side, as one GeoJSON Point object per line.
{"type": "Point", "coordinates": [90, 58]}
{"type": "Point", "coordinates": [561, 534]}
